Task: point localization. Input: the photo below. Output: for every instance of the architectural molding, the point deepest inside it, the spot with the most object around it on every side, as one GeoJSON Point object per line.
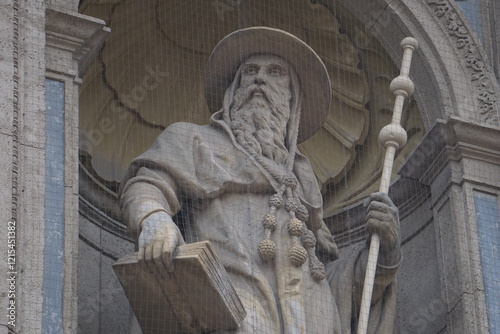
{"type": "Point", "coordinates": [455, 158]}
{"type": "Point", "coordinates": [451, 72]}
{"type": "Point", "coordinates": [71, 42]}
{"type": "Point", "coordinates": [81, 35]}
{"type": "Point", "coordinates": [15, 110]}
{"type": "Point", "coordinates": [101, 219]}
{"type": "Point", "coordinates": [452, 140]}
{"type": "Point", "coordinates": [96, 226]}
{"type": "Point", "coordinates": [458, 152]}
{"type": "Point", "coordinates": [467, 46]}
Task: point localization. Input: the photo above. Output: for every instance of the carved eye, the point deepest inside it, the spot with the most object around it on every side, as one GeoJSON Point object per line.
{"type": "Point", "coordinates": [251, 70]}
{"type": "Point", "coordinates": [276, 71]}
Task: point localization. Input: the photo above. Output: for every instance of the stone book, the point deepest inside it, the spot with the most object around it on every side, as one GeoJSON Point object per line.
{"type": "Point", "coordinates": [197, 296]}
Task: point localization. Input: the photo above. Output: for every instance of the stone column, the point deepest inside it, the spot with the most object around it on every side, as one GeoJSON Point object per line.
{"type": "Point", "coordinates": [73, 40]}
{"type": "Point", "coordinates": [456, 160]}
{"type": "Point", "coordinates": [44, 54]}
{"type": "Point", "coordinates": [24, 162]}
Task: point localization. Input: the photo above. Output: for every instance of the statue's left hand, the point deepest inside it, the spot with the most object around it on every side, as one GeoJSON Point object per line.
{"type": "Point", "coordinates": [382, 219]}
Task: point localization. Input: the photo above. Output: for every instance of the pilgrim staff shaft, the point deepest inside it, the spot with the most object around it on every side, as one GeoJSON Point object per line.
{"type": "Point", "coordinates": [392, 137]}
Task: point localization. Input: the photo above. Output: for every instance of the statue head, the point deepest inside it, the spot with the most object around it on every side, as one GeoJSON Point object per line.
{"type": "Point", "coordinates": [257, 106]}
{"type": "Point", "coordinates": [266, 77]}
{"type": "Point", "coordinates": [277, 70]}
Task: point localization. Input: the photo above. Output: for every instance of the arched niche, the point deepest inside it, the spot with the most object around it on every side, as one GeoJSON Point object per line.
{"type": "Point", "coordinates": [359, 42]}
{"type": "Point", "coordinates": [452, 74]}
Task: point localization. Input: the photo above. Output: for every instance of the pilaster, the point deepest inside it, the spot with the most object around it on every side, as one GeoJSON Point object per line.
{"type": "Point", "coordinates": [40, 43]}
{"type": "Point", "coordinates": [456, 159]}
{"type": "Point", "coordinates": [8, 104]}
{"type": "Point", "coordinates": [73, 41]}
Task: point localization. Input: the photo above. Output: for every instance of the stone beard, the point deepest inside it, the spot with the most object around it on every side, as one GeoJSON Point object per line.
{"type": "Point", "coordinates": [258, 117]}
{"type": "Point", "coordinates": [267, 242]}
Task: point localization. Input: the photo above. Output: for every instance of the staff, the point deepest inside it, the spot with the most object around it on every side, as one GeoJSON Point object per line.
{"type": "Point", "coordinates": [393, 137]}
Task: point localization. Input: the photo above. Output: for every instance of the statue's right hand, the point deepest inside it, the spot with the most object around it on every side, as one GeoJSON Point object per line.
{"type": "Point", "coordinates": [158, 239]}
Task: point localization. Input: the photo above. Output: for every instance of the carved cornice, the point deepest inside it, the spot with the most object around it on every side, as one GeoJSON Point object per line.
{"type": "Point", "coordinates": [79, 34]}
{"type": "Point", "coordinates": [454, 140]}
{"type": "Point", "coordinates": [485, 88]}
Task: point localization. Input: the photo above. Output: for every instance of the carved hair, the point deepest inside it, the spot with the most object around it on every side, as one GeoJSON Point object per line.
{"type": "Point", "coordinates": [282, 117]}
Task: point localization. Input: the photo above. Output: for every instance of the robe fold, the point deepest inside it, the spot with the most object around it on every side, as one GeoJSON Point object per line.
{"type": "Point", "coordinates": [216, 191]}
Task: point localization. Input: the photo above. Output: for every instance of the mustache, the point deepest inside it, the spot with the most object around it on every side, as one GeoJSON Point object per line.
{"type": "Point", "coordinates": [257, 89]}
{"type": "Point", "coordinates": [274, 96]}
{"type": "Point", "coordinates": [244, 95]}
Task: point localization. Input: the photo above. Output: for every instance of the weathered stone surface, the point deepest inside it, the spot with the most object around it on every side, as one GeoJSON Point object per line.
{"type": "Point", "coordinates": [455, 158]}
{"type": "Point", "coordinates": [112, 99]}
{"type": "Point", "coordinates": [251, 144]}
{"type": "Point", "coordinates": [102, 305]}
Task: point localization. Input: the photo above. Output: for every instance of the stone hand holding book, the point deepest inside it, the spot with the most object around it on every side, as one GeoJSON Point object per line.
{"type": "Point", "coordinates": [197, 296]}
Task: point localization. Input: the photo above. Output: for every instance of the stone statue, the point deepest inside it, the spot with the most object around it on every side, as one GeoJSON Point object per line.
{"type": "Point", "coordinates": [241, 183]}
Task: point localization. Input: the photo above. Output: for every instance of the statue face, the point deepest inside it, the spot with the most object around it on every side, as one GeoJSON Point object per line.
{"type": "Point", "coordinates": [260, 111]}
{"type": "Point", "coordinates": [266, 70]}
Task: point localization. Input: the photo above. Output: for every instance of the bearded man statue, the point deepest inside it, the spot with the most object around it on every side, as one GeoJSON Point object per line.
{"type": "Point", "coordinates": [241, 183]}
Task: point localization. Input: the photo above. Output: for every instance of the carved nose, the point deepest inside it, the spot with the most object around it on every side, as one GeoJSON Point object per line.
{"type": "Point", "coordinates": [259, 79]}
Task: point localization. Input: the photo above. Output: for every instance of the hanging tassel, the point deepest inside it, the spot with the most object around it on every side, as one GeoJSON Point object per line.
{"type": "Point", "coordinates": [316, 267]}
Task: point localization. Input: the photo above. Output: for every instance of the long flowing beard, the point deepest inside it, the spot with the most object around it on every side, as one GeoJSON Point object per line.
{"type": "Point", "coordinates": [259, 125]}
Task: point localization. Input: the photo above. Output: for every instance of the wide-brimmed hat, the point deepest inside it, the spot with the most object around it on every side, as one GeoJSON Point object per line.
{"type": "Point", "coordinates": [236, 47]}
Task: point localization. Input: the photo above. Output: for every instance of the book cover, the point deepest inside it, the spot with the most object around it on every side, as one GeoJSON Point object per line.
{"type": "Point", "coordinates": [197, 296]}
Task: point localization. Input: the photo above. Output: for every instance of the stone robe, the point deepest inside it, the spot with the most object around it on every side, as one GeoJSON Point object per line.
{"type": "Point", "coordinates": [216, 191]}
